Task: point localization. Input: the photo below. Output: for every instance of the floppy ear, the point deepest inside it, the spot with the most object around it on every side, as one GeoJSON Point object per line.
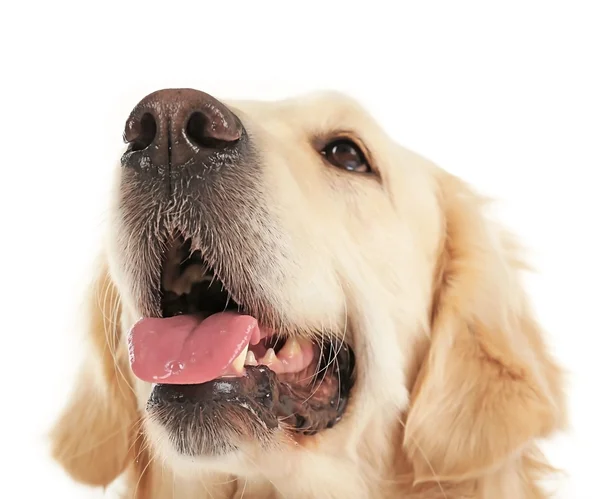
{"type": "Point", "coordinates": [93, 436]}
{"type": "Point", "coordinates": [487, 387]}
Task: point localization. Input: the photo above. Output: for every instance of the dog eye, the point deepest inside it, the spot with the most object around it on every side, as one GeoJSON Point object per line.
{"type": "Point", "coordinates": [345, 154]}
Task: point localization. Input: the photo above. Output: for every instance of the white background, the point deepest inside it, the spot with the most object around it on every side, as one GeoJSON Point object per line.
{"type": "Point", "coordinates": [504, 94]}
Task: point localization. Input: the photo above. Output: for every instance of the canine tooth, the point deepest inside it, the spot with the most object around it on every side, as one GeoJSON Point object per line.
{"type": "Point", "coordinates": [290, 349]}
{"type": "Point", "coordinates": [192, 274]}
{"type": "Point", "coordinates": [269, 357]}
{"type": "Point", "coordinates": [238, 363]}
{"type": "Point", "coordinates": [250, 359]}
{"type": "Point", "coordinates": [170, 276]}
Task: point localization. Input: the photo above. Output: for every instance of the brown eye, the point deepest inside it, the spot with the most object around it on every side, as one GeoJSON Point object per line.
{"type": "Point", "coordinates": [345, 154]}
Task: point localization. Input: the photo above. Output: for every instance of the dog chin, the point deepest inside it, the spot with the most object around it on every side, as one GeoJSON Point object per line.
{"type": "Point", "coordinates": [228, 440]}
{"type": "Point", "coordinates": [215, 418]}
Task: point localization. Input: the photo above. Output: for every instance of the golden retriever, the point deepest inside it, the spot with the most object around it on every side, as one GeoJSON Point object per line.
{"type": "Point", "coordinates": [289, 304]}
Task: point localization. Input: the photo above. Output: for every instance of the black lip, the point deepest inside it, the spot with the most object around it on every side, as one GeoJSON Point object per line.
{"type": "Point", "coordinates": [257, 389]}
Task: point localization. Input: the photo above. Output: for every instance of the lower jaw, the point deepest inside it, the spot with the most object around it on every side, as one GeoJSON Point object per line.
{"type": "Point", "coordinates": [209, 418]}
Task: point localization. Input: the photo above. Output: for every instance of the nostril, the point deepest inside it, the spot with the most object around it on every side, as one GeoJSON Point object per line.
{"type": "Point", "coordinates": [177, 127]}
{"type": "Point", "coordinates": [146, 135]}
{"type": "Point", "coordinates": [198, 130]}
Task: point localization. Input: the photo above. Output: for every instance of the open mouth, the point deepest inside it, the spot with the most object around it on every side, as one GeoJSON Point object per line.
{"type": "Point", "coordinates": [207, 354]}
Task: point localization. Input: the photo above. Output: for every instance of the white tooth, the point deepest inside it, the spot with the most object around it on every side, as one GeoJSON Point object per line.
{"type": "Point", "coordinates": [250, 359]}
{"type": "Point", "coordinates": [238, 363]}
{"type": "Point", "coordinates": [290, 349]}
{"type": "Point", "coordinates": [269, 357]}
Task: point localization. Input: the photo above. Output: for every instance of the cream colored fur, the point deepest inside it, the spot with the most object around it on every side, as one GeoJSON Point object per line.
{"type": "Point", "coordinates": [455, 384]}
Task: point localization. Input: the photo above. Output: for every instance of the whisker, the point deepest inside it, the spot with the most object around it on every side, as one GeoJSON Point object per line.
{"type": "Point", "coordinates": [427, 461]}
{"type": "Point", "coordinates": [111, 326]}
{"type": "Point", "coordinates": [253, 463]}
{"type": "Point", "coordinates": [97, 444]}
{"type": "Point", "coordinates": [244, 489]}
{"type": "Point", "coordinates": [150, 461]}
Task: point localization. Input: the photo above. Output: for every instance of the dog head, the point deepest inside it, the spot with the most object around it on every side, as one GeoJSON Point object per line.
{"type": "Point", "coordinates": [292, 294]}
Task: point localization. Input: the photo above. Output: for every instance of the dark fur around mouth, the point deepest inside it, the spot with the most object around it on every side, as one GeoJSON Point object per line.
{"type": "Point", "coordinates": [199, 202]}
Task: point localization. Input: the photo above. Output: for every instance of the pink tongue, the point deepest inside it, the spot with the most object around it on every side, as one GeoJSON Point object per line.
{"type": "Point", "coordinates": [186, 350]}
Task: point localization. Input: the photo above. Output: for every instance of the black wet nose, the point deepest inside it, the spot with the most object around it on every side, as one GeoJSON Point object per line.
{"type": "Point", "coordinates": [176, 127]}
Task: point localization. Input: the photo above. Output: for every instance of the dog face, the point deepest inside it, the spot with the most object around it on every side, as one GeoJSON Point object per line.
{"type": "Point", "coordinates": [288, 278]}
